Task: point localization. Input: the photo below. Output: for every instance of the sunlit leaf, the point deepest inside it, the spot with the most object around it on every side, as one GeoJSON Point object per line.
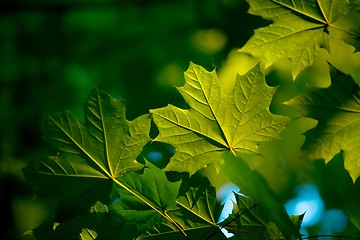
{"type": "Point", "coordinates": [216, 122]}
{"type": "Point", "coordinates": [299, 29]}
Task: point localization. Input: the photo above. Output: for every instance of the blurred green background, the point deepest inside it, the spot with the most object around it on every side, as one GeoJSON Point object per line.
{"type": "Point", "coordinates": [54, 52]}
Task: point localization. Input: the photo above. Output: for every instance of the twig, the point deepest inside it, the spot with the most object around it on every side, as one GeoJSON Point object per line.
{"type": "Point", "coordinates": [330, 235]}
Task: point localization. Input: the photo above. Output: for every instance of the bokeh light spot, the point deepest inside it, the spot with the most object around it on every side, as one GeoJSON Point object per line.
{"type": "Point", "coordinates": [154, 156]}
{"type": "Point", "coordinates": [307, 201]}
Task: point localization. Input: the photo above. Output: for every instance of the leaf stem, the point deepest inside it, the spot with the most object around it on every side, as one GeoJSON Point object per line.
{"type": "Point", "coordinates": [232, 151]}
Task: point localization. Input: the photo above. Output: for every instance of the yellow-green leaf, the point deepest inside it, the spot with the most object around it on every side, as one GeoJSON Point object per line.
{"type": "Point", "coordinates": [299, 29]}
{"type": "Point", "coordinates": [215, 121]}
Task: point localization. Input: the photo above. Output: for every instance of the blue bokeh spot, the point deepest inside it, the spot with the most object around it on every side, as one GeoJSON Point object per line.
{"type": "Point", "coordinates": [307, 201]}
{"type": "Point", "coordinates": [154, 156]}
{"type": "Point", "coordinates": [334, 221]}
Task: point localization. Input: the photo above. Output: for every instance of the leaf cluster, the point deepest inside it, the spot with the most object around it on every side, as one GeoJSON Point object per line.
{"type": "Point", "coordinates": [107, 188]}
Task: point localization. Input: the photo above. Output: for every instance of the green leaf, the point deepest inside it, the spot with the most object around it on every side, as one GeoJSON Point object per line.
{"type": "Point", "coordinates": [89, 156]}
{"type": "Point", "coordinates": [216, 122]}
{"type": "Point", "coordinates": [337, 109]}
{"type": "Point", "coordinates": [154, 189]}
{"type": "Point", "coordinates": [299, 29]}
{"type": "Point", "coordinates": [253, 185]}
{"type": "Point", "coordinates": [197, 212]}
{"type": "Point", "coordinates": [198, 207]}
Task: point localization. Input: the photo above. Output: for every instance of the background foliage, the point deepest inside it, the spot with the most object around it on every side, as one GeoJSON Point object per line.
{"type": "Point", "coordinates": [54, 52]}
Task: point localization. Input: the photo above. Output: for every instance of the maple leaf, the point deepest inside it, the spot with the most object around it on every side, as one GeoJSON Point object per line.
{"type": "Point", "coordinates": [216, 122]}
{"type": "Point", "coordinates": [91, 156]}
{"type": "Point", "coordinates": [98, 159]}
{"type": "Point", "coordinates": [300, 28]}
{"type": "Point", "coordinates": [337, 109]}
{"type": "Point", "coordinates": [154, 189]}
{"type": "Point", "coordinates": [197, 212]}
{"type": "Point", "coordinates": [199, 209]}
